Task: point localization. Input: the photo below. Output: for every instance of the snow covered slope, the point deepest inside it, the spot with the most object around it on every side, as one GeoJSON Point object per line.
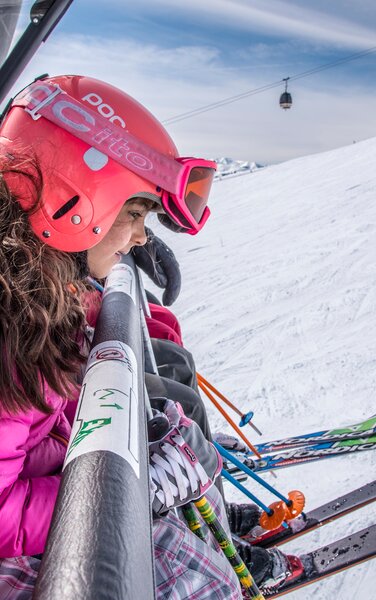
{"type": "Point", "coordinates": [278, 307]}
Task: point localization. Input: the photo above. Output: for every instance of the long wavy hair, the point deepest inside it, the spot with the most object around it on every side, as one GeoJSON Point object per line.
{"type": "Point", "coordinates": [41, 320]}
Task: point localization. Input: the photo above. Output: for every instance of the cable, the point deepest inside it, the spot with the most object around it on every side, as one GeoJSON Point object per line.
{"type": "Point", "coordinates": [213, 105]}
{"type": "Point", "coordinates": [334, 63]}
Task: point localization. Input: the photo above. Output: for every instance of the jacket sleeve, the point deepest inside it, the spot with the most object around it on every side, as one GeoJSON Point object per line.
{"type": "Point", "coordinates": [26, 505]}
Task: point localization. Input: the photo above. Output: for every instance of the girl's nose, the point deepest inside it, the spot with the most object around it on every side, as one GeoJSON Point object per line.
{"type": "Point", "coordinates": [139, 237]}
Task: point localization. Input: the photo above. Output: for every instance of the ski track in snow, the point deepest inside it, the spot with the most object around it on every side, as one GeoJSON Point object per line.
{"type": "Point", "coordinates": [278, 309]}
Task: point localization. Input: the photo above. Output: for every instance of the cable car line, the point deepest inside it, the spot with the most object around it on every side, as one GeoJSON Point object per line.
{"type": "Point", "coordinates": [229, 100]}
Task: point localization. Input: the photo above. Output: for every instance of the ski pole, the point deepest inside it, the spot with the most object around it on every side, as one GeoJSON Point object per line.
{"type": "Point", "coordinates": [245, 418]}
{"type": "Point", "coordinates": [294, 503]}
{"type": "Point", "coordinates": [157, 428]}
{"type": "Point", "coordinates": [207, 512]}
{"type": "Point", "coordinates": [230, 421]}
{"type": "Point", "coordinates": [194, 524]}
{"type": "Point", "coordinates": [275, 513]}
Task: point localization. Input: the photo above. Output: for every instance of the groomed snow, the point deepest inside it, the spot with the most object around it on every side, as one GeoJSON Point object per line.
{"type": "Point", "coordinates": [278, 308]}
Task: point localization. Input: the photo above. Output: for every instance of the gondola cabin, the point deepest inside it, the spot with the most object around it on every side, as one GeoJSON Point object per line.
{"type": "Point", "coordinates": [285, 100]}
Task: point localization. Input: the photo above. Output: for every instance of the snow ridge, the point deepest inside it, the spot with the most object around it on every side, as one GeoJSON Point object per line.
{"type": "Point", "coordinates": [227, 167]}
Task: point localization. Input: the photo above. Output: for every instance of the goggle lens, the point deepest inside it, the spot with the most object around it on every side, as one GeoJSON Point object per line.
{"type": "Point", "coordinates": [174, 211]}
{"type": "Point", "coordinates": [197, 191]}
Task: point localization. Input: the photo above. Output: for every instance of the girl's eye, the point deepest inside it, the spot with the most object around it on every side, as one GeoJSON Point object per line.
{"type": "Point", "coordinates": [135, 215]}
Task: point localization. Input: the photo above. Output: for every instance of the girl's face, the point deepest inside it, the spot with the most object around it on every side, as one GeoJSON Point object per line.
{"type": "Point", "coordinates": [127, 231]}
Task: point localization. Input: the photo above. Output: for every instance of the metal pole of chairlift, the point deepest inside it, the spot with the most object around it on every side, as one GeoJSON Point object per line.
{"type": "Point", "coordinates": [100, 541]}
{"type": "Point", "coordinates": [100, 536]}
{"type": "Point", "coordinates": [9, 13]}
{"type": "Point", "coordinates": [44, 16]}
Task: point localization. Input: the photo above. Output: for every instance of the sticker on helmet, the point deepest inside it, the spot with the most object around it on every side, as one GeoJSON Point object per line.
{"type": "Point", "coordinates": [95, 160]}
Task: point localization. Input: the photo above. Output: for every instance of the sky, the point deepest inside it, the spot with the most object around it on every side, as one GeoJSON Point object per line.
{"type": "Point", "coordinates": [175, 57]}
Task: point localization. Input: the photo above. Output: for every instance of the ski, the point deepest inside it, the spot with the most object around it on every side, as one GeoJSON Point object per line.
{"type": "Point", "coordinates": [333, 558]}
{"type": "Point", "coordinates": [365, 428]}
{"type": "Point", "coordinates": [326, 513]}
{"type": "Point", "coordinates": [305, 454]}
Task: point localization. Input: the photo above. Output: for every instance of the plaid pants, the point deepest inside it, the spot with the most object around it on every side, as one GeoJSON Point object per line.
{"type": "Point", "coordinates": [17, 577]}
{"type": "Point", "coordinates": [186, 568]}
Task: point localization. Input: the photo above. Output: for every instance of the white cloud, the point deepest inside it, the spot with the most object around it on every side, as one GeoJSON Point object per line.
{"type": "Point", "coordinates": [280, 17]}
{"type": "Point", "coordinates": [254, 128]}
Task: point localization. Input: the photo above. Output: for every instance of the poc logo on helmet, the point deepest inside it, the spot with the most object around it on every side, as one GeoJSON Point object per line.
{"type": "Point", "coordinates": [104, 109]}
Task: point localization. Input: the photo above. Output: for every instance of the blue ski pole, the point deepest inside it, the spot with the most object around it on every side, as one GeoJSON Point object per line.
{"type": "Point", "coordinates": [294, 503]}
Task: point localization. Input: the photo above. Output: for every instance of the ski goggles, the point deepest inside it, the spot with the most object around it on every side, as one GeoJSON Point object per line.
{"type": "Point", "coordinates": [185, 183]}
{"type": "Point", "coordinates": [188, 208]}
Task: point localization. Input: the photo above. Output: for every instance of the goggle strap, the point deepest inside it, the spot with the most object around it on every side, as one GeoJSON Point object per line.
{"type": "Point", "coordinates": [98, 132]}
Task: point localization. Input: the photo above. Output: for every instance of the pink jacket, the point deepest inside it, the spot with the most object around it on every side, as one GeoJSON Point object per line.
{"type": "Point", "coordinates": [32, 450]}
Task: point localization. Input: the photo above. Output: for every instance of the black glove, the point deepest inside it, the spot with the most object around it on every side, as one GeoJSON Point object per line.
{"type": "Point", "coordinates": [159, 263]}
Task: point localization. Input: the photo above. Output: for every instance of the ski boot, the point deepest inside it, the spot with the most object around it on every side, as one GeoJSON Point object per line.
{"type": "Point", "coordinates": [284, 568]}
{"type": "Point", "coordinates": [271, 569]}
{"type": "Point", "coordinates": [244, 522]}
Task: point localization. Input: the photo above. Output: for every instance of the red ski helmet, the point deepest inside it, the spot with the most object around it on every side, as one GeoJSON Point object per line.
{"type": "Point", "coordinates": [83, 189]}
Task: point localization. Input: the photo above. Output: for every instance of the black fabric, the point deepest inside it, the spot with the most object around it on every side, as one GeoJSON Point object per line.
{"type": "Point", "coordinates": [158, 261]}
{"type": "Point", "coordinates": [242, 517]}
{"type": "Point", "coordinates": [175, 362]}
{"type": "Point", "coordinates": [191, 402]}
{"type": "Point", "coordinates": [152, 299]}
{"type": "Point", "coordinates": [258, 561]}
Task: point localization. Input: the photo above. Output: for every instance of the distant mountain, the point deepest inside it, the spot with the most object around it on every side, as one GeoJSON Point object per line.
{"type": "Point", "coordinates": [228, 166]}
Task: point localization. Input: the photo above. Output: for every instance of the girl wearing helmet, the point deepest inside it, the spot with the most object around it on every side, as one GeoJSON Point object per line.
{"type": "Point", "coordinates": [68, 209]}
{"type": "Point", "coordinates": [81, 165]}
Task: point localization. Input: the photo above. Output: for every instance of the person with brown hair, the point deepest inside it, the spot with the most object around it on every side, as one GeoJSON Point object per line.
{"type": "Point", "coordinates": [68, 209]}
{"type": "Point", "coordinates": [81, 165]}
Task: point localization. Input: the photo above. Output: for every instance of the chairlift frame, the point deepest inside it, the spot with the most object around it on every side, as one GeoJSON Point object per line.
{"type": "Point", "coordinates": [44, 16]}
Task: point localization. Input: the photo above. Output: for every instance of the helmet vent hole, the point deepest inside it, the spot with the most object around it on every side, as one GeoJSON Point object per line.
{"type": "Point", "coordinates": [66, 208]}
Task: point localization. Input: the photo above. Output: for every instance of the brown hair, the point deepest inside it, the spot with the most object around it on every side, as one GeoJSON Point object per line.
{"type": "Point", "coordinates": [40, 318]}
